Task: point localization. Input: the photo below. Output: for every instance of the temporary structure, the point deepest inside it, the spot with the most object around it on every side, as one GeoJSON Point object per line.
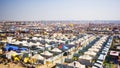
{"type": "Point", "coordinates": [93, 49]}
{"type": "Point", "coordinates": [46, 45]}
{"type": "Point", "coordinates": [17, 42]}
{"type": "Point", "coordinates": [87, 57]}
{"type": "Point", "coordinates": [26, 38]}
{"type": "Point", "coordinates": [34, 38]}
{"type": "Point", "coordinates": [9, 39]}
{"type": "Point", "coordinates": [90, 53]}
{"type": "Point", "coordinates": [37, 43]}
{"type": "Point", "coordinates": [37, 56]}
{"type": "Point", "coordinates": [76, 64]}
{"type": "Point", "coordinates": [11, 53]}
{"type": "Point", "coordinates": [56, 50]}
{"type": "Point", "coordinates": [47, 53]}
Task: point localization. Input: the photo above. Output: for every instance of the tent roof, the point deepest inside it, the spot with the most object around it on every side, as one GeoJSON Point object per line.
{"type": "Point", "coordinates": [37, 56]}
{"type": "Point", "coordinates": [76, 64]}
{"type": "Point", "coordinates": [47, 53]}
{"type": "Point", "coordinates": [12, 53]}
{"type": "Point", "coordinates": [56, 50]}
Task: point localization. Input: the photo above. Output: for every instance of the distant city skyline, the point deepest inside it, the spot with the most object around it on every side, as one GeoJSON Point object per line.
{"type": "Point", "coordinates": [35, 10]}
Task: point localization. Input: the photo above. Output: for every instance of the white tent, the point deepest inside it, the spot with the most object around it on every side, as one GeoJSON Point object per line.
{"type": "Point", "coordinates": [17, 42]}
{"type": "Point", "coordinates": [24, 42]}
{"type": "Point", "coordinates": [87, 57]}
{"type": "Point", "coordinates": [40, 38]}
{"type": "Point", "coordinates": [37, 43]}
{"type": "Point", "coordinates": [90, 53]}
{"type": "Point", "coordinates": [13, 40]}
{"type": "Point", "coordinates": [46, 45]}
{"type": "Point", "coordinates": [37, 56]}
{"type": "Point", "coordinates": [47, 53]}
{"type": "Point", "coordinates": [47, 40]}
{"type": "Point", "coordinates": [11, 53]}
{"type": "Point", "coordinates": [56, 50]}
{"type": "Point", "coordinates": [9, 39]}
{"type": "Point", "coordinates": [41, 47]}
{"type": "Point", "coordinates": [26, 38]}
{"type": "Point", "coordinates": [34, 38]}
{"type": "Point", "coordinates": [30, 43]}
{"type": "Point", "coordinates": [93, 49]}
{"type": "Point", "coordinates": [37, 35]}
{"type": "Point", "coordinates": [76, 64]}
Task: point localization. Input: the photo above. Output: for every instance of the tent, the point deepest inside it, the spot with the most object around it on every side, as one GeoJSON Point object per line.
{"type": "Point", "coordinates": [76, 64]}
{"type": "Point", "coordinates": [11, 53]}
{"type": "Point", "coordinates": [93, 49]}
{"type": "Point", "coordinates": [47, 53]}
{"type": "Point", "coordinates": [9, 39]}
{"type": "Point", "coordinates": [90, 53]}
{"type": "Point", "coordinates": [87, 57]}
{"type": "Point", "coordinates": [26, 38]}
{"type": "Point", "coordinates": [37, 43]}
{"type": "Point", "coordinates": [11, 47]}
{"type": "Point", "coordinates": [14, 47]}
{"type": "Point", "coordinates": [37, 56]}
{"type": "Point", "coordinates": [56, 50]}
{"type": "Point", "coordinates": [46, 45]}
{"type": "Point", "coordinates": [34, 38]}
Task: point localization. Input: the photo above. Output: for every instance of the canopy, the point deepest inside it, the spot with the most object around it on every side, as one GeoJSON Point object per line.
{"type": "Point", "coordinates": [34, 38]}
{"type": "Point", "coordinates": [26, 38]}
{"type": "Point", "coordinates": [24, 42]}
{"type": "Point", "coordinates": [11, 47]}
{"type": "Point", "coordinates": [90, 53]}
{"type": "Point", "coordinates": [37, 56]}
{"type": "Point", "coordinates": [76, 64]}
{"type": "Point", "coordinates": [37, 43]}
{"type": "Point", "coordinates": [47, 53]}
{"type": "Point", "coordinates": [11, 53]}
{"type": "Point", "coordinates": [87, 57]}
{"type": "Point", "coordinates": [93, 49]}
{"type": "Point", "coordinates": [17, 42]}
{"type": "Point", "coordinates": [56, 50]}
{"type": "Point", "coordinates": [9, 39]}
{"type": "Point", "coordinates": [46, 45]}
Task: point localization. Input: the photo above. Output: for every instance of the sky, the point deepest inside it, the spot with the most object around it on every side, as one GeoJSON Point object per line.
{"type": "Point", "coordinates": [36, 10]}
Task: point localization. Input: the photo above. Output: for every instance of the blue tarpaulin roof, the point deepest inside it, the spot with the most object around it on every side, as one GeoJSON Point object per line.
{"type": "Point", "coordinates": [64, 47]}
{"type": "Point", "coordinates": [12, 47]}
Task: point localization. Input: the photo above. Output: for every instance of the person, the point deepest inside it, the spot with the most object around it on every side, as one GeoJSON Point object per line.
{"type": "Point", "coordinates": [74, 63]}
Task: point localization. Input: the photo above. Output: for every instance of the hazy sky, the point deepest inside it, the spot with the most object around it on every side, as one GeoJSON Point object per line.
{"type": "Point", "coordinates": [59, 9]}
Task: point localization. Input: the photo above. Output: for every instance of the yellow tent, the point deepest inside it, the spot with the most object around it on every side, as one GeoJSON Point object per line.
{"type": "Point", "coordinates": [71, 25]}
{"type": "Point", "coordinates": [32, 60]}
{"type": "Point", "coordinates": [26, 60]}
{"type": "Point", "coordinates": [16, 59]}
